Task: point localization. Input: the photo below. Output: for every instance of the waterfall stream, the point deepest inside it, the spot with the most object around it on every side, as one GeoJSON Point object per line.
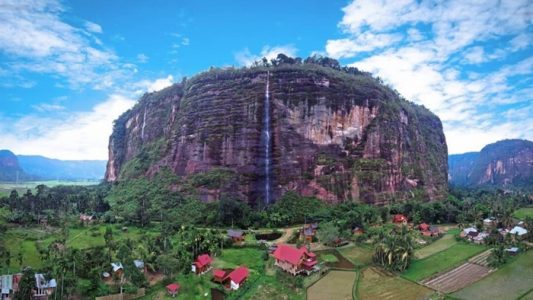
{"type": "Point", "coordinates": [266, 141]}
{"type": "Point", "coordinates": [144, 125]}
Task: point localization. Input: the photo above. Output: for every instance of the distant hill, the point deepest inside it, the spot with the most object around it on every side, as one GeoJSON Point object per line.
{"type": "Point", "coordinates": [55, 169]}
{"type": "Point", "coordinates": [10, 169]}
{"type": "Point", "coordinates": [507, 163]}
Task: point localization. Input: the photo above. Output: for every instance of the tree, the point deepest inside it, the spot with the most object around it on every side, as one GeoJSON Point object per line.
{"type": "Point", "coordinates": [394, 250]}
{"type": "Point", "coordinates": [327, 233]}
{"type": "Point", "coordinates": [497, 257]}
{"type": "Point", "coordinates": [26, 285]}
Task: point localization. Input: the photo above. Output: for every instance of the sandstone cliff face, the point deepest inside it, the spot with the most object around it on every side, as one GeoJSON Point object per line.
{"type": "Point", "coordinates": [337, 136]}
{"type": "Point", "coordinates": [507, 164]}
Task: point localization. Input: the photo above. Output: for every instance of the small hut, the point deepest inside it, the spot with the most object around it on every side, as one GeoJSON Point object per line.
{"type": "Point", "coordinates": [173, 289]}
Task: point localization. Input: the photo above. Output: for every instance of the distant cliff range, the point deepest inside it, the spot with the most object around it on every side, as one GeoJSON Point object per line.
{"type": "Point", "coordinates": [34, 167]}
{"type": "Point", "coordinates": [506, 164]}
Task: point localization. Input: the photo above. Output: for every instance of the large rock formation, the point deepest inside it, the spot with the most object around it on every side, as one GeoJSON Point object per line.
{"type": "Point", "coordinates": [340, 135]}
{"type": "Point", "coordinates": [507, 164]}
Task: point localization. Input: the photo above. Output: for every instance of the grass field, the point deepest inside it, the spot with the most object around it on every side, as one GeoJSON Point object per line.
{"type": "Point", "coordinates": [523, 213]}
{"type": "Point", "coordinates": [378, 284]}
{"type": "Point", "coordinates": [358, 255]}
{"type": "Point", "coordinates": [21, 187]}
{"type": "Point", "coordinates": [509, 282]}
{"type": "Point", "coordinates": [25, 240]}
{"type": "Point", "coordinates": [441, 261]}
{"type": "Point", "coordinates": [328, 258]}
{"type": "Point", "coordinates": [268, 287]}
{"type": "Point", "coordinates": [192, 287]}
{"type": "Point", "coordinates": [441, 244]}
{"type": "Point", "coordinates": [233, 257]}
{"type": "Point", "coordinates": [335, 285]}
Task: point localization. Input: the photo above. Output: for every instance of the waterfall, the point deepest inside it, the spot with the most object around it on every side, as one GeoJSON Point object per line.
{"type": "Point", "coordinates": [266, 141]}
{"type": "Point", "coordinates": [144, 125]}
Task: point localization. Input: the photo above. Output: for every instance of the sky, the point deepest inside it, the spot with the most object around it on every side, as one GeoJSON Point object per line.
{"type": "Point", "coordinates": [69, 68]}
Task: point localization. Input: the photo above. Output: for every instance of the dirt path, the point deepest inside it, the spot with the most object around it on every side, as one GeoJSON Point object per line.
{"type": "Point", "coordinates": [287, 234]}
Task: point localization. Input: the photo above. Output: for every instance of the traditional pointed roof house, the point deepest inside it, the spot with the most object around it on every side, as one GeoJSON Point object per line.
{"type": "Point", "coordinates": [201, 264]}
{"type": "Point", "coordinates": [237, 277]}
{"type": "Point", "coordinates": [219, 275]}
{"type": "Point", "coordinates": [399, 219]}
{"type": "Point", "coordinates": [236, 235]}
{"type": "Point", "coordinates": [294, 260]}
{"type": "Point", "coordinates": [173, 289]}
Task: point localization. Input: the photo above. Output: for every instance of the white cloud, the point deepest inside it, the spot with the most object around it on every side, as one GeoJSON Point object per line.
{"type": "Point", "coordinates": [142, 58]}
{"type": "Point", "coordinates": [430, 65]}
{"type": "Point", "coordinates": [73, 135]}
{"type": "Point", "coordinates": [246, 58]}
{"type": "Point", "coordinates": [93, 27]}
{"type": "Point", "coordinates": [35, 38]}
{"type": "Point", "coordinates": [153, 85]}
{"type": "Point", "coordinates": [46, 107]}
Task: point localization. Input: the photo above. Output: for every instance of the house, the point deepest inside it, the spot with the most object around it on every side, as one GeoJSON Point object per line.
{"type": "Point", "coordinates": [6, 285]}
{"type": "Point", "coordinates": [294, 260]}
{"type": "Point", "coordinates": [118, 269]}
{"type": "Point", "coordinates": [489, 222]}
{"type": "Point", "coordinates": [219, 275]}
{"type": "Point", "coordinates": [308, 234]}
{"type": "Point", "coordinates": [358, 231]}
{"type": "Point", "coordinates": [236, 235]}
{"type": "Point", "coordinates": [478, 238]}
{"type": "Point", "coordinates": [43, 287]}
{"type": "Point", "coordinates": [468, 230]}
{"type": "Point", "coordinates": [517, 230]}
{"type": "Point", "coordinates": [512, 251]}
{"type": "Point", "coordinates": [399, 219]}
{"type": "Point", "coordinates": [173, 289]}
{"type": "Point", "coordinates": [87, 218]}
{"type": "Point", "coordinates": [201, 264]}
{"type": "Point", "coordinates": [423, 227]}
{"type": "Point", "coordinates": [435, 231]}
{"type": "Point", "coordinates": [139, 264]}
{"type": "Point", "coordinates": [237, 277]}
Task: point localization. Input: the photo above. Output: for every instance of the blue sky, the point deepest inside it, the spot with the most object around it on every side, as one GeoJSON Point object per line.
{"type": "Point", "coordinates": [68, 69]}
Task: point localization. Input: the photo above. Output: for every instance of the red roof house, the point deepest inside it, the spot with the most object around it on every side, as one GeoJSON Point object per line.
{"type": "Point", "coordinates": [423, 227]}
{"type": "Point", "coordinates": [294, 260]}
{"type": "Point", "coordinates": [399, 219]}
{"type": "Point", "coordinates": [173, 289]}
{"type": "Point", "coordinates": [218, 275]}
{"type": "Point", "coordinates": [237, 277]}
{"type": "Point", "coordinates": [201, 264]}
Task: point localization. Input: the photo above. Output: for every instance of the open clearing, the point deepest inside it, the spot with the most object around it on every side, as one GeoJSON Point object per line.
{"type": "Point", "coordinates": [359, 256]}
{"type": "Point", "coordinates": [523, 213]}
{"type": "Point", "coordinates": [441, 244]}
{"type": "Point", "coordinates": [441, 261]}
{"type": "Point", "coordinates": [509, 282]}
{"type": "Point", "coordinates": [376, 283]}
{"type": "Point", "coordinates": [335, 285]}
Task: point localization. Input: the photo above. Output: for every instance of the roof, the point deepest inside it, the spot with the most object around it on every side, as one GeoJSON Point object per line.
{"type": "Point", "coordinates": [219, 273]}
{"type": "Point", "coordinates": [434, 229]}
{"type": "Point", "coordinates": [308, 231]}
{"type": "Point", "coordinates": [6, 283]}
{"type": "Point", "coordinates": [518, 230]}
{"type": "Point", "coordinates": [512, 249]}
{"type": "Point", "coordinates": [116, 266]}
{"type": "Point", "coordinates": [399, 218]}
{"type": "Point", "coordinates": [239, 275]}
{"type": "Point", "coordinates": [42, 283]}
{"type": "Point", "coordinates": [291, 254]}
{"type": "Point", "coordinates": [423, 226]}
{"type": "Point", "coordinates": [173, 287]}
{"type": "Point", "coordinates": [138, 263]}
{"type": "Point", "coordinates": [235, 233]}
{"type": "Point", "coordinates": [489, 220]}
{"type": "Point", "coordinates": [203, 260]}
{"type": "Point", "coordinates": [469, 229]}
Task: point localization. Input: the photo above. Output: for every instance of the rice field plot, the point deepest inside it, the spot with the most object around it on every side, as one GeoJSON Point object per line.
{"type": "Point", "coordinates": [359, 256]}
{"type": "Point", "coordinates": [458, 278]}
{"type": "Point", "coordinates": [335, 285]}
{"type": "Point", "coordinates": [376, 283]}
{"type": "Point", "coordinates": [511, 281]}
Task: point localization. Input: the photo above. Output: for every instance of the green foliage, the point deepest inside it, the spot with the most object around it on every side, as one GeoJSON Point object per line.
{"type": "Point", "coordinates": [327, 233]}
{"type": "Point", "coordinates": [497, 257]}
{"type": "Point", "coordinates": [394, 250]}
{"type": "Point", "coordinates": [26, 285]}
